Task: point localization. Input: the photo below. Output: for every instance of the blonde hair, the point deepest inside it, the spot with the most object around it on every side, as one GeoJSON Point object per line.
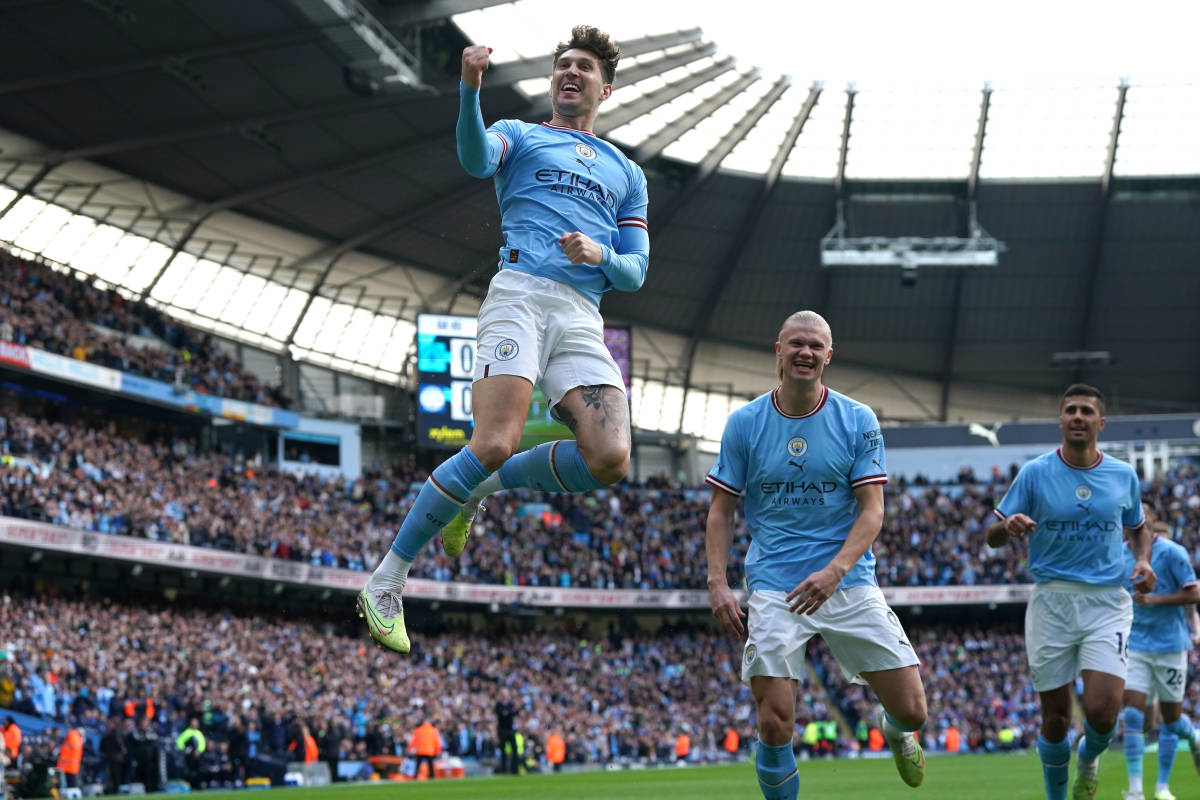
{"type": "Point", "coordinates": [806, 317]}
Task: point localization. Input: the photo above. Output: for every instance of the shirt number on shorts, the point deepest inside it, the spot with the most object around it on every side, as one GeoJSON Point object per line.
{"type": "Point", "coordinates": [1123, 647]}
{"type": "Point", "coordinates": [1174, 677]}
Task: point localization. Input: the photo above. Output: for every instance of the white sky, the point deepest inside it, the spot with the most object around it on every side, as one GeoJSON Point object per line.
{"type": "Point", "coordinates": [933, 40]}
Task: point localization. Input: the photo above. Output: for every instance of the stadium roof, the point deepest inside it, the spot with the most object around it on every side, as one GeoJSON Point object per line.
{"type": "Point", "coordinates": [283, 172]}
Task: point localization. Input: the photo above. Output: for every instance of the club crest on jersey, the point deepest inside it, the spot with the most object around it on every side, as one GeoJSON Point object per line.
{"type": "Point", "coordinates": [797, 446]}
{"type": "Point", "coordinates": [585, 151]}
{"type": "Point", "coordinates": [1083, 492]}
{"type": "Point", "coordinates": [751, 654]}
{"type": "Point", "coordinates": [507, 349]}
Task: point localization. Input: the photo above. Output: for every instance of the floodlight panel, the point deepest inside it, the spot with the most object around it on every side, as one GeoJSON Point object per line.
{"type": "Point", "coordinates": [694, 145]}
{"type": "Point", "coordinates": [1160, 131]}
{"type": "Point", "coordinates": [1048, 131]}
{"type": "Point", "coordinates": [912, 133]}
{"type": "Point", "coordinates": [815, 154]}
{"type": "Point", "coordinates": [757, 149]}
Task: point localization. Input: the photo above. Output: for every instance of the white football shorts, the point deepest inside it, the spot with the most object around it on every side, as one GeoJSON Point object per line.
{"type": "Point", "coordinates": [1159, 676]}
{"type": "Point", "coordinates": [543, 331]}
{"type": "Point", "coordinates": [856, 623]}
{"type": "Point", "coordinates": [1071, 627]}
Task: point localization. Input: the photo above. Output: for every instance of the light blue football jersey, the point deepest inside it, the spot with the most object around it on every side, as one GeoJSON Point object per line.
{"type": "Point", "coordinates": [1162, 629]}
{"type": "Point", "coordinates": [555, 180]}
{"type": "Point", "coordinates": [1079, 515]}
{"type": "Point", "coordinates": [797, 475]}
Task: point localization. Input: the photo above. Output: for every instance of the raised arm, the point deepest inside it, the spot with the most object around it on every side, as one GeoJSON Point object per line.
{"type": "Point", "coordinates": [481, 155]}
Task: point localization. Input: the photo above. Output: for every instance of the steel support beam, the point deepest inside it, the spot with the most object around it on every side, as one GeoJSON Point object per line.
{"type": "Point", "coordinates": [659, 66]}
{"type": "Point", "coordinates": [236, 47]}
{"type": "Point", "coordinates": [333, 253]}
{"type": "Point", "coordinates": [839, 182]}
{"type": "Point", "coordinates": [1104, 197]}
{"type": "Point", "coordinates": [29, 186]}
{"type": "Point", "coordinates": [950, 346]}
{"type": "Point", "coordinates": [540, 66]}
{"type": "Point", "coordinates": [611, 120]}
{"type": "Point", "coordinates": [839, 192]}
{"type": "Point", "coordinates": [192, 132]}
{"type": "Point", "coordinates": [432, 11]}
{"type": "Point", "coordinates": [713, 158]}
{"type": "Point", "coordinates": [675, 131]}
{"type": "Point", "coordinates": [737, 247]}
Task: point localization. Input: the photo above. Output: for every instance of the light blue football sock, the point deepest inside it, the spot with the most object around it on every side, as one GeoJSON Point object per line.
{"type": "Point", "coordinates": [1181, 727]}
{"type": "Point", "coordinates": [890, 720]}
{"type": "Point", "coordinates": [440, 499]}
{"type": "Point", "coordinates": [778, 777]}
{"type": "Point", "coordinates": [1168, 744]}
{"type": "Point", "coordinates": [1056, 764]}
{"type": "Point", "coordinates": [551, 467]}
{"type": "Point", "coordinates": [1093, 743]}
{"type": "Point", "coordinates": [1135, 746]}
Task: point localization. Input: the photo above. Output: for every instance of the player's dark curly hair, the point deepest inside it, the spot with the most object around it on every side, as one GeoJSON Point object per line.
{"type": "Point", "coordinates": [596, 42]}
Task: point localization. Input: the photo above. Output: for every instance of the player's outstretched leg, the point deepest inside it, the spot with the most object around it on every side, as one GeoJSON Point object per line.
{"type": "Point", "coordinates": [1056, 766]}
{"type": "Point", "coordinates": [1135, 749]}
{"type": "Point", "coordinates": [447, 489]}
{"type": "Point", "coordinates": [1091, 746]}
{"type": "Point", "coordinates": [1184, 729]}
{"type": "Point", "coordinates": [906, 750]}
{"type": "Point", "coordinates": [778, 777]}
{"type": "Point", "coordinates": [550, 467]}
{"type": "Point", "coordinates": [1168, 743]}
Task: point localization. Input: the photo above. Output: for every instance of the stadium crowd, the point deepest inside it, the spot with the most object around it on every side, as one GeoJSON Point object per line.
{"type": "Point", "coordinates": [256, 682]}
{"type": "Point", "coordinates": [58, 313]}
{"type": "Point", "coordinates": [646, 536]}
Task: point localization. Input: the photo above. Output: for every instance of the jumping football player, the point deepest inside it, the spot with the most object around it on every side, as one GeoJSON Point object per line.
{"type": "Point", "coordinates": [573, 215]}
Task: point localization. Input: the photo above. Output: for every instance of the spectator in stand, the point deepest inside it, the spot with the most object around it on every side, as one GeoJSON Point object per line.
{"type": "Point", "coordinates": [425, 745]}
{"type": "Point", "coordinates": [70, 758]}
{"type": "Point", "coordinates": [115, 756]}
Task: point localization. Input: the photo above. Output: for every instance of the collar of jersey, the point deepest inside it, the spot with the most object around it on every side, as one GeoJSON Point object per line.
{"type": "Point", "coordinates": [569, 130]}
{"type": "Point", "coordinates": [1093, 465]}
{"type": "Point", "coordinates": [820, 404]}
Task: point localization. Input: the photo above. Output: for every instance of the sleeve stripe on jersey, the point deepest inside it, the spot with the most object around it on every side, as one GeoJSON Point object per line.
{"type": "Point", "coordinates": [504, 142]}
{"type": "Point", "coordinates": [720, 484]}
{"type": "Point", "coordinates": [999, 514]}
{"type": "Point", "coordinates": [638, 221]}
{"type": "Point", "coordinates": [1189, 584]}
{"type": "Point", "coordinates": [863, 481]}
{"type": "Point", "coordinates": [1139, 526]}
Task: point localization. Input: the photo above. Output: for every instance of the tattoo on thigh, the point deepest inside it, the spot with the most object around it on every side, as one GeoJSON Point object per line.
{"type": "Point", "coordinates": [610, 402]}
{"type": "Point", "coordinates": [566, 417]}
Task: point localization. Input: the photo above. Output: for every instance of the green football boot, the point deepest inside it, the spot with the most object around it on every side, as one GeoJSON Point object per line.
{"type": "Point", "coordinates": [454, 535]}
{"type": "Point", "coordinates": [1085, 788]}
{"type": "Point", "coordinates": [1165, 794]}
{"type": "Point", "coordinates": [909, 757]}
{"type": "Point", "coordinates": [385, 619]}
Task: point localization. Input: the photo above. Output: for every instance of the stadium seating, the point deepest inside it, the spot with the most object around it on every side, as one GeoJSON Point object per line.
{"type": "Point", "coordinates": [635, 536]}
{"type": "Point", "coordinates": [55, 312]}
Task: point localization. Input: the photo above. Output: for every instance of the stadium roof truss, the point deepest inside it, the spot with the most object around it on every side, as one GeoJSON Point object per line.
{"type": "Point", "coordinates": [263, 177]}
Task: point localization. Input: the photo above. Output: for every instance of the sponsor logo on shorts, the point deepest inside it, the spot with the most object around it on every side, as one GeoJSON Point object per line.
{"type": "Point", "coordinates": [585, 151]}
{"type": "Point", "coordinates": [751, 654]}
{"type": "Point", "coordinates": [507, 349]}
{"type": "Point", "coordinates": [1083, 492]}
{"type": "Point", "coordinates": [797, 447]}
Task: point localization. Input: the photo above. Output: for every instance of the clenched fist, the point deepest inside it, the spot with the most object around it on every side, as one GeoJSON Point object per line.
{"type": "Point", "coordinates": [475, 60]}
